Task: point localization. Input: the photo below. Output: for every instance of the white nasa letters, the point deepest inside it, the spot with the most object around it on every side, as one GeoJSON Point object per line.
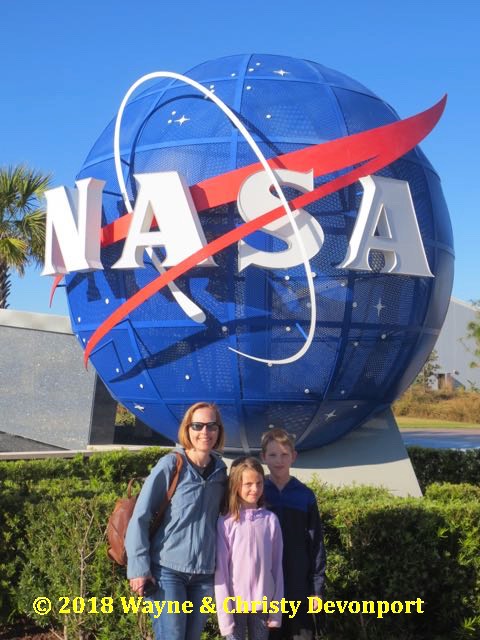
{"type": "Point", "coordinates": [74, 217]}
{"type": "Point", "coordinates": [386, 222]}
{"type": "Point", "coordinates": [387, 210]}
{"type": "Point", "coordinates": [166, 197]}
{"type": "Point", "coordinates": [255, 199]}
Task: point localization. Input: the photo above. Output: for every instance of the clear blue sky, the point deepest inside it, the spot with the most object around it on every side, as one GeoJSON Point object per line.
{"type": "Point", "coordinates": [66, 66]}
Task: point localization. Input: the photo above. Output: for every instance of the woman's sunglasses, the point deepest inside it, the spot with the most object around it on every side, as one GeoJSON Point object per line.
{"type": "Point", "coordinates": [198, 426]}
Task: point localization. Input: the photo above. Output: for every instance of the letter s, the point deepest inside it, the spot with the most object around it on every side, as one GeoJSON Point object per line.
{"type": "Point", "coordinates": [255, 199]}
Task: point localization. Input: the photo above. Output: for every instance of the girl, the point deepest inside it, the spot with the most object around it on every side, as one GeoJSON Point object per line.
{"type": "Point", "coordinates": [249, 557]}
{"type": "Point", "coordinates": [178, 563]}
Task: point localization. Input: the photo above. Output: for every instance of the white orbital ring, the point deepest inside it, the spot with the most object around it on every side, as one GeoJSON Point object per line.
{"type": "Point", "coordinates": [186, 303]}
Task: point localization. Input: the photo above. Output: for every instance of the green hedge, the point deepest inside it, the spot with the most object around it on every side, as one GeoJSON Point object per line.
{"type": "Point", "coordinates": [66, 552]}
{"type": "Point", "coordinates": [430, 465]}
{"type": "Point", "coordinates": [379, 548]}
{"type": "Point", "coordinates": [117, 466]}
{"type": "Point", "coordinates": [445, 465]}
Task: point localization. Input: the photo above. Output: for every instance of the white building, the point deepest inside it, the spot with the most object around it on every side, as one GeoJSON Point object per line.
{"type": "Point", "coordinates": [455, 352]}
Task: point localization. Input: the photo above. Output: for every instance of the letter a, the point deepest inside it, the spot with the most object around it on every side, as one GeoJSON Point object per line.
{"type": "Point", "coordinates": [387, 222]}
{"type": "Point", "coordinates": [72, 238]}
{"type": "Point", "coordinates": [166, 198]}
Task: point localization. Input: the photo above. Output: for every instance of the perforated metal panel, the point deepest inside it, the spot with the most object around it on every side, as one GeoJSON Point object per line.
{"type": "Point", "coordinates": [371, 327]}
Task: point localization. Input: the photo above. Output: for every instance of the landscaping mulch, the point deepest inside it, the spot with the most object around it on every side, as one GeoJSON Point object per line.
{"type": "Point", "coordinates": [27, 632]}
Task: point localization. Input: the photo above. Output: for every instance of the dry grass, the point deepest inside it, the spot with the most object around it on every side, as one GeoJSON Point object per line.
{"type": "Point", "coordinates": [406, 422]}
{"type": "Point", "coordinates": [447, 405]}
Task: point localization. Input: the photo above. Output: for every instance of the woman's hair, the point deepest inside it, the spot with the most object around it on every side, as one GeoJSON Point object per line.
{"type": "Point", "coordinates": [183, 433]}
{"type": "Point", "coordinates": [233, 502]}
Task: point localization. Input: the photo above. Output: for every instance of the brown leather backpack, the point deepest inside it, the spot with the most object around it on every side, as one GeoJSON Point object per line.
{"type": "Point", "coordinates": [122, 512]}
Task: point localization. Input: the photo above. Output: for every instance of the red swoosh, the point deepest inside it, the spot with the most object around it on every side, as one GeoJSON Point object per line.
{"type": "Point", "coordinates": [375, 148]}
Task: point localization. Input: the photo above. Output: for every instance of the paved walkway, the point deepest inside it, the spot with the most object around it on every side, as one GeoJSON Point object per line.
{"type": "Point", "coordinates": [441, 438]}
{"type": "Point", "coordinates": [412, 436]}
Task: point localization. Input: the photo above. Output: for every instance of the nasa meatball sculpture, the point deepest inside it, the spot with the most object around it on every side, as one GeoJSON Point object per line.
{"type": "Point", "coordinates": [263, 232]}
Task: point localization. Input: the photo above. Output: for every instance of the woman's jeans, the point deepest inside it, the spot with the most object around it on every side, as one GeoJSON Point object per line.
{"type": "Point", "coordinates": [182, 587]}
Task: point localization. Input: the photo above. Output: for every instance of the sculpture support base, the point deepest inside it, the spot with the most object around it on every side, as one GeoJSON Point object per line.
{"type": "Point", "coordinates": [374, 455]}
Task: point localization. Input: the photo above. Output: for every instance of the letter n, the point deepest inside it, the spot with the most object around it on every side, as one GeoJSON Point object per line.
{"type": "Point", "coordinates": [72, 239]}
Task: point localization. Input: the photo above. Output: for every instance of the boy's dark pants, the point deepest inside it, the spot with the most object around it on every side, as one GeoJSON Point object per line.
{"type": "Point", "coordinates": [300, 627]}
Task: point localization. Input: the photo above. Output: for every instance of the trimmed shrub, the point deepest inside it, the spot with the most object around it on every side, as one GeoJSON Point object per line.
{"type": "Point", "coordinates": [380, 547]}
{"type": "Point", "coordinates": [12, 526]}
{"type": "Point", "coordinates": [431, 465]}
{"type": "Point", "coordinates": [116, 466]}
{"type": "Point", "coordinates": [398, 552]}
{"type": "Point", "coordinates": [445, 465]}
{"type": "Point", "coordinates": [446, 492]}
{"type": "Point", "coordinates": [66, 551]}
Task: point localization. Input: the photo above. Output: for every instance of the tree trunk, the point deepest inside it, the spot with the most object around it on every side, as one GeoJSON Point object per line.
{"type": "Point", "coordinates": [4, 285]}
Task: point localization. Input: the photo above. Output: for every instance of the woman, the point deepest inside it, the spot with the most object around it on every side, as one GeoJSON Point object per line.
{"type": "Point", "coordinates": [179, 562]}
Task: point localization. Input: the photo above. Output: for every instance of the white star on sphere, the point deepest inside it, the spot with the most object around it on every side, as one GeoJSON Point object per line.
{"type": "Point", "coordinates": [182, 120]}
{"type": "Point", "coordinates": [212, 90]}
{"type": "Point", "coordinates": [281, 72]}
{"type": "Point", "coordinates": [332, 414]}
{"type": "Point", "coordinates": [379, 307]}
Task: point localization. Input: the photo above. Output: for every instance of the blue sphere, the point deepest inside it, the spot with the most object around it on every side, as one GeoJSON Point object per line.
{"type": "Point", "coordinates": [374, 330]}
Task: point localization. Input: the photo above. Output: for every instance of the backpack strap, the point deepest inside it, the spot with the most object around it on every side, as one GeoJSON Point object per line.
{"type": "Point", "coordinates": [131, 483]}
{"type": "Point", "coordinates": [157, 520]}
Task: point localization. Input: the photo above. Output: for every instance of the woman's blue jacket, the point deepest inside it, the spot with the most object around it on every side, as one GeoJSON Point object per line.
{"type": "Point", "coordinates": [185, 540]}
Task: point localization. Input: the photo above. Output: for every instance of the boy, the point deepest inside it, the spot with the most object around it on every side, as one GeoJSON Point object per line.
{"type": "Point", "coordinates": [303, 550]}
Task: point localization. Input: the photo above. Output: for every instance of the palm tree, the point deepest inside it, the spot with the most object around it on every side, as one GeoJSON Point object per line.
{"type": "Point", "coordinates": [22, 223]}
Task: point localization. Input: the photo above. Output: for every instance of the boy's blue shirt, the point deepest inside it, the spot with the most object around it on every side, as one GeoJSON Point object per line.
{"type": "Point", "coordinates": [304, 558]}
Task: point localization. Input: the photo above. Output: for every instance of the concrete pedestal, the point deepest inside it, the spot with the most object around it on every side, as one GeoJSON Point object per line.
{"type": "Point", "coordinates": [374, 455]}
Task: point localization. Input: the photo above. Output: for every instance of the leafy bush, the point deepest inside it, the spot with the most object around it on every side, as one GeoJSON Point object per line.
{"type": "Point", "coordinates": [380, 547]}
{"type": "Point", "coordinates": [123, 416]}
{"type": "Point", "coordinates": [16, 503]}
{"type": "Point", "coordinates": [447, 492]}
{"type": "Point", "coordinates": [66, 552]}
{"type": "Point", "coordinates": [12, 524]}
{"type": "Point", "coordinates": [445, 465]}
{"type": "Point", "coordinates": [116, 466]}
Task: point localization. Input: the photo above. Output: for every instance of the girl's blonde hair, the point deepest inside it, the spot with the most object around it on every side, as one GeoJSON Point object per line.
{"type": "Point", "coordinates": [183, 435]}
{"type": "Point", "coordinates": [233, 502]}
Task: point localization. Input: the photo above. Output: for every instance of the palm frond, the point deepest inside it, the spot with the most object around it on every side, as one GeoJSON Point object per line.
{"type": "Point", "coordinates": [13, 252]}
{"type": "Point", "coordinates": [22, 217]}
{"type": "Point", "coordinates": [21, 190]}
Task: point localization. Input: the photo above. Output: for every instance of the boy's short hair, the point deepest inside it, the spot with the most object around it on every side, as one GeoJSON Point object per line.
{"type": "Point", "coordinates": [277, 435]}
